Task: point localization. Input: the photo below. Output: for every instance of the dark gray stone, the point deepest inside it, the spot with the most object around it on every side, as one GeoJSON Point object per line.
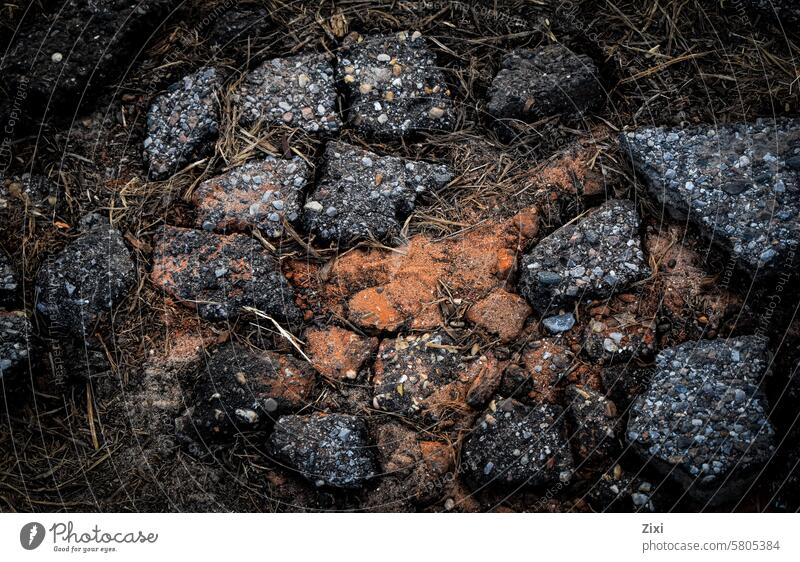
{"type": "Point", "coordinates": [243, 389]}
{"type": "Point", "coordinates": [363, 195]}
{"type": "Point", "coordinates": [328, 450]}
{"type": "Point", "coordinates": [182, 123]}
{"type": "Point", "coordinates": [591, 259]}
{"type": "Point", "coordinates": [703, 419]}
{"type": "Point", "coordinates": [394, 86]}
{"type": "Point", "coordinates": [735, 183]}
{"type": "Point", "coordinates": [91, 275]}
{"type": "Point", "coordinates": [517, 445]}
{"type": "Point", "coordinates": [549, 80]}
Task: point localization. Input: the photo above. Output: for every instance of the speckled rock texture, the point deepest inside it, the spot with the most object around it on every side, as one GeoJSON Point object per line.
{"type": "Point", "coordinates": [737, 183]}
{"type": "Point", "coordinates": [362, 195]}
{"type": "Point", "coordinates": [703, 419]}
{"type": "Point", "coordinates": [258, 194]}
{"type": "Point", "coordinates": [295, 91]}
{"type": "Point", "coordinates": [8, 281]}
{"type": "Point", "coordinates": [514, 445]}
{"type": "Point", "coordinates": [329, 450]}
{"type": "Point", "coordinates": [220, 274]}
{"type": "Point", "coordinates": [90, 276]}
{"type": "Point", "coordinates": [548, 80]}
{"type": "Point", "coordinates": [182, 123]}
{"type": "Point", "coordinates": [15, 343]}
{"type": "Point", "coordinates": [593, 258]}
{"type": "Point", "coordinates": [394, 86]}
{"type": "Point", "coordinates": [427, 377]}
{"type": "Point", "coordinates": [241, 389]}
{"type": "Point", "coordinates": [28, 193]}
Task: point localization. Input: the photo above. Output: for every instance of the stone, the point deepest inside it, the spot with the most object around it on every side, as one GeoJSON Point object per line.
{"type": "Point", "coordinates": [516, 445]}
{"type": "Point", "coordinates": [394, 86]}
{"type": "Point", "coordinates": [8, 281]}
{"type": "Point", "coordinates": [537, 83]}
{"type": "Point", "coordinates": [327, 449]}
{"type": "Point", "coordinates": [79, 285]}
{"type": "Point", "coordinates": [694, 426]}
{"type": "Point", "coordinates": [501, 313]}
{"type": "Point", "coordinates": [219, 274]}
{"type": "Point", "coordinates": [15, 344]}
{"type": "Point", "coordinates": [559, 323]}
{"type": "Point", "coordinates": [426, 377]}
{"type": "Point", "coordinates": [364, 195]}
{"type": "Point", "coordinates": [253, 195]}
{"type": "Point", "coordinates": [182, 123]}
{"type": "Point", "coordinates": [382, 290]}
{"type": "Point", "coordinates": [285, 87]}
{"type": "Point", "coordinates": [337, 353]}
{"type": "Point", "coordinates": [240, 389]}
{"type": "Point", "coordinates": [594, 424]}
{"type": "Point", "coordinates": [731, 181]}
{"type": "Point", "coordinates": [593, 258]}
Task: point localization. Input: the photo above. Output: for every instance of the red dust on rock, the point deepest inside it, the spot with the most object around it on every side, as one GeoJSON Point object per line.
{"type": "Point", "coordinates": [501, 313]}
{"type": "Point", "coordinates": [338, 353]}
{"type": "Point", "coordinates": [386, 290]}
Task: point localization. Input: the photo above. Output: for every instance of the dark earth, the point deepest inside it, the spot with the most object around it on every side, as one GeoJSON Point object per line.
{"type": "Point", "coordinates": [418, 257]}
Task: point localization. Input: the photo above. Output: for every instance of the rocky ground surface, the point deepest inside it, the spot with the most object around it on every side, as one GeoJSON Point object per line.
{"type": "Point", "coordinates": [500, 257]}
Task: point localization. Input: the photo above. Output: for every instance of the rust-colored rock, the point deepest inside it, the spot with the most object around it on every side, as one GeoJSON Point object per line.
{"type": "Point", "coordinates": [388, 290]}
{"type": "Point", "coordinates": [547, 367]}
{"type": "Point", "coordinates": [338, 353]}
{"type": "Point", "coordinates": [414, 471]}
{"type": "Point", "coordinates": [500, 313]}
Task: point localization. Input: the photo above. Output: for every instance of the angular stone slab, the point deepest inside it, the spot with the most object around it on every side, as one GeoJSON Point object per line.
{"type": "Point", "coordinates": [362, 194]}
{"type": "Point", "coordinates": [738, 184]}
{"type": "Point", "coordinates": [90, 276]}
{"type": "Point", "coordinates": [703, 419]}
{"type": "Point", "coordinates": [258, 194]}
{"type": "Point", "coordinates": [244, 389]}
{"type": "Point", "coordinates": [593, 258]}
{"type": "Point", "coordinates": [549, 80]}
{"type": "Point", "coordinates": [394, 86]}
{"type": "Point", "coordinates": [328, 450]}
{"type": "Point", "coordinates": [182, 123]}
{"type": "Point", "coordinates": [220, 274]}
{"type": "Point", "coordinates": [517, 445]}
{"type": "Point", "coordinates": [295, 91]}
